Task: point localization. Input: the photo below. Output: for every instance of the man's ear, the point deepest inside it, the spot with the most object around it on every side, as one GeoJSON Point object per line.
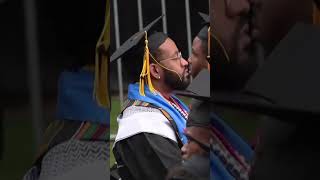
{"type": "Point", "coordinates": [155, 71]}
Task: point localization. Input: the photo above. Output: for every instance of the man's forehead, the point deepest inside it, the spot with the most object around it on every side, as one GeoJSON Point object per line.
{"type": "Point", "coordinates": [169, 46]}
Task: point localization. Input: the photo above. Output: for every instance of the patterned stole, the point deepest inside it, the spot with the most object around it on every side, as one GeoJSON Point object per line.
{"type": "Point", "coordinates": [230, 154]}
{"type": "Point", "coordinates": [60, 131]}
{"type": "Point", "coordinates": [165, 113]}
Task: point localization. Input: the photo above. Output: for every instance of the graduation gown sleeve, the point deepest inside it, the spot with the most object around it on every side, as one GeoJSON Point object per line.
{"type": "Point", "coordinates": [146, 156]}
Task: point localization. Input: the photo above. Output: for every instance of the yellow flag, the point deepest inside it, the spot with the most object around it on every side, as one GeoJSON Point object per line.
{"type": "Point", "coordinates": [101, 82]}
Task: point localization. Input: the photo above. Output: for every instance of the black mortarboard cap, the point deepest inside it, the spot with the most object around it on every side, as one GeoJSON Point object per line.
{"type": "Point", "coordinates": [286, 84]}
{"type": "Point", "coordinates": [155, 40]}
{"type": "Point", "coordinates": [136, 39]}
{"type": "Point", "coordinates": [205, 17]}
{"type": "Point", "coordinates": [141, 49]}
{"type": "Point", "coordinates": [203, 34]}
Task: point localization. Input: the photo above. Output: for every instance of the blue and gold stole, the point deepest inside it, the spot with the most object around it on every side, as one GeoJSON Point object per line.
{"type": "Point", "coordinates": [76, 101]}
{"type": "Point", "coordinates": [159, 101]}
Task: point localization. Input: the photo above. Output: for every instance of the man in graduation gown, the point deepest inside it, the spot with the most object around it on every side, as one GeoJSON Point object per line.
{"type": "Point", "coordinates": [195, 153]}
{"type": "Point", "coordinates": [150, 132]}
{"type": "Point", "coordinates": [76, 144]}
{"type": "Point", "coordinates": [208, 134]}
{"type": "Point", "coordinates": [198, 58]}
{"type": "Point", "coordinates": [287, 148]}
{"type": "Point", "coordinates": [232, 62]}
{"type": "Point", "coordinates": [198, 131]}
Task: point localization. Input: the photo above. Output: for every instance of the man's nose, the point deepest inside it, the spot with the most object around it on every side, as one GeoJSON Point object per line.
{"type": "Point", "coordinates": [184, 62]}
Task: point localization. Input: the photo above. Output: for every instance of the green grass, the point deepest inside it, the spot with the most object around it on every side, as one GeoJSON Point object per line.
{"type": "Point", "coordinates": [18, 151]}
{"type": "Point", "coordinates": [115, 110]}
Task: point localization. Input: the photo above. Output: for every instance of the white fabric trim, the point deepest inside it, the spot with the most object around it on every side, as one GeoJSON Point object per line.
{"type": "Point", "coordinates": [145, 122]}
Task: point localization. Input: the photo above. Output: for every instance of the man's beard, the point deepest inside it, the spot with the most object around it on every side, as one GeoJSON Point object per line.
{"type": "Point", "coordinates": [173, 81]}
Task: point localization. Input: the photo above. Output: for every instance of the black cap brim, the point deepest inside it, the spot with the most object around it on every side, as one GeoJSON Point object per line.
{"type": "Point", "coordinates": [205, 17]}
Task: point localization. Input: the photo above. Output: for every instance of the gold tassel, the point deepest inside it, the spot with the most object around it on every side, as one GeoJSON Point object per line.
{"type": "Point", "coordinates": [101, 81]}
{"type": "Point", "coordinates": [209, 44]}
{"type": "Point", "coordinates": [209, 48]}
{"type": "Point", "coordinates": [222, 46]}
{"type": "Point", "coordinates": [316, 15]}
{"type": "Point", "coordinates": [145, 76]}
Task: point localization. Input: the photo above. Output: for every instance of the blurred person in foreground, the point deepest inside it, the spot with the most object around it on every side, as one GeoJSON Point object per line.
{"type": "Point", "coordinates": [76, 144]}
{"type": "Point", "coordinates": [287, 147]}
{"type": "Point", "coordinates": [232, 61]}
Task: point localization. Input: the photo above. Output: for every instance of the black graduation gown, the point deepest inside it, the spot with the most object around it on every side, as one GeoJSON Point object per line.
{"type": "Point", "coordinates": [146, 156]}
{"type": "Point", "coordinates": [287, 150]}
